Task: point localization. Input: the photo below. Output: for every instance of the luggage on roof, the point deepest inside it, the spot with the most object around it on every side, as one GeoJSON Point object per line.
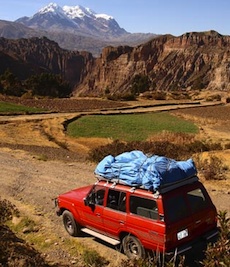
{"type": "Point", "coordinates": [150, 172]}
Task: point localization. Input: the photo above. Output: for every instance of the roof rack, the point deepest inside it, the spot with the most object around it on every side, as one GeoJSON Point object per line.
{"type": "Point", "coordinates": [163, 189]}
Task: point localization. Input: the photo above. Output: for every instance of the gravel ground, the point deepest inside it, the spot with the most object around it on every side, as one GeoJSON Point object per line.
{"type": "Point", "coordinates": [32, 185]}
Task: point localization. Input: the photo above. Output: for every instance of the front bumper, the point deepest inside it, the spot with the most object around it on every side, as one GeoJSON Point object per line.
{"type": "Point", "coordinates": [58, 211]}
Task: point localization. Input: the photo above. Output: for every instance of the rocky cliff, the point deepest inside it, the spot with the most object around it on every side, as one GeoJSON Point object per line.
{"type": "Point", "coordinates": [25, 57]}
{"type": "Point", "coordinates": [194, 60]}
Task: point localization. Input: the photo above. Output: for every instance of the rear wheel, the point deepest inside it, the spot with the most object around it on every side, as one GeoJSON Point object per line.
{"type": "Point", "coordinates": [132, 247]}
{"type": "Point", "coordinates": [70, 224]}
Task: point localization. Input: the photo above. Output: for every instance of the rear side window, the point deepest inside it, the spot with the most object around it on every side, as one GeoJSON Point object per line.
{"type": "Point", "coordinates": [197, 200]}
{"type": "Point", "coordinates": [185, 204]}
{"type": "Point", "coordinates": [144, 207]}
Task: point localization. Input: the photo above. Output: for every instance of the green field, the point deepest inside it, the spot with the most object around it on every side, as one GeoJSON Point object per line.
{"type": "Point", "coordinates": [134, 127]}
{"type": "Point", "coordinates": [14, 108]}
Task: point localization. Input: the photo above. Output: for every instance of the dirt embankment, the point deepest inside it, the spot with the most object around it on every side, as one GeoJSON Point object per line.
{"type": "Point", "coordinates": [36, 166]}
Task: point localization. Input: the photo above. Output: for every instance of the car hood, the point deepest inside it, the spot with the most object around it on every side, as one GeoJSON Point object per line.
{"type": "Point", "coordinates": [76, 194]}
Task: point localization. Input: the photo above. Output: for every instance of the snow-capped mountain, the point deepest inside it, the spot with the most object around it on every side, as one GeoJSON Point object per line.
{"type": "Point", "coordinates": [74, 19]}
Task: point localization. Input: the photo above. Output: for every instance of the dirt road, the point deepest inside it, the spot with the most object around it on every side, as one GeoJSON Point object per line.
{"type": "Point", "coordinates": [32, 185]}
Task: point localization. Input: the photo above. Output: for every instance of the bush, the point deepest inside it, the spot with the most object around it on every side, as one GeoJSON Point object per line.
{"type": "Point", "coordinates": [218, 254]}
{"type": "Point", "coordinates": [121, 97]}
{"type": "Point", "coordinates": [227, 146]}
{"type": "Point", "coordinates": [7, 211]}
{"type": "Point", "coordinates": [140, 84]}
{"type": "Point", "coordinates": [92, 258]}
{"type": "Point", "coordinates": [212, 168]}
{"type": "Point", "coordinates": [215, 97]}
{"type": "Point", "coordinates": [159, 95]}
{"type": "Point", "coordinates": [170, 149]}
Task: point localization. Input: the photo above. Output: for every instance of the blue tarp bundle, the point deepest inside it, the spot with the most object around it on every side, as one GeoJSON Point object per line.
{"type": "Point", "coordinates": [151, 172]}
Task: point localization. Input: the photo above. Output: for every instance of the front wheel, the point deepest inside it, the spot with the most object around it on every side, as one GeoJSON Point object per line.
{"type": "Point", "coordinates": [70, 224]}
{"type": "Point", "coordinates": [132, 247]}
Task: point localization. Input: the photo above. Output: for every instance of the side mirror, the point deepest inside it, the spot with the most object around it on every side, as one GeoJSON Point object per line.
{"type": "Point", "coordinates": [89, 202]}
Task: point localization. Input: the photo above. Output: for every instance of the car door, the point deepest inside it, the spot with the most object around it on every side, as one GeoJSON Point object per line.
{"type": "Point", "coordinates": [93, 212]}
{"type": "Point", "coordinates": [144, 222]}
{"type": "Point", "coordinates": [114, 216]}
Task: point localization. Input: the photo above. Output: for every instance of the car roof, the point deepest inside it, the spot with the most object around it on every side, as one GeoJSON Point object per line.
{"type": "Point", "coordinates": [140, 190]}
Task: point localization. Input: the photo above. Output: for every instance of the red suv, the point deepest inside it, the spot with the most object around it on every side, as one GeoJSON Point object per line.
{"type": "Point", "coordinates": [168, 221]}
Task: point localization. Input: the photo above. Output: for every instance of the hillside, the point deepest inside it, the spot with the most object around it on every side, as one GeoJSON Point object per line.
{"type": "Point", "coordinates": [192, 61]}
{"type": "Point", "coordinates": [196, 60]}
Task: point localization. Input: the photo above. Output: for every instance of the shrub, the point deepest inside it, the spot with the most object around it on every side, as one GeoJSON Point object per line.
{"type": "Point", "coordinates": [154, 259]}
{"type": "Point", "coordinates": [159, 96]}
{"type": "Point", "coordinates": [179, 95]}
{"type": "Point", "coordinates": [121, 97]}
{"type": "Point", "coordinates": [10, 84]}
{"type": "Point", "coordinates": [98, 153]}
{"type": "Point", "coordinates": [218, 254]}
{"type": "Point", "coordinates": [7, 211]}
{"type": "Point", "coordinates": [92, 258]}
{"type": "Point", "coordinates": [227, 146]}
{"type": "Point", "coordinates": [140, 83]}
{"type": "Point", "coordinates": [212, 168]}
{"type": "Point", "coordinates": [215, 97]}
{"type": "Point", "coordinates": [166, 148]}
{"type": "Point", "coordinates": [198, 84]}
{"type": "Point", "coordinates": [147, 95]}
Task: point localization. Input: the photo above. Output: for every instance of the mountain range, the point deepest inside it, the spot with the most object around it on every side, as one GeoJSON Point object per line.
{"type": "Point", "coordinates": [74, 19]}
{"type": "Point", "coordinates": [73, 28]}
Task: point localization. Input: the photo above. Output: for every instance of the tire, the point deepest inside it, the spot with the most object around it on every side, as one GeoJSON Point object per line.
{"type": "Point", "coordinates": [132, 247]}
{"type": "Point", "coordinates": [70, 224]}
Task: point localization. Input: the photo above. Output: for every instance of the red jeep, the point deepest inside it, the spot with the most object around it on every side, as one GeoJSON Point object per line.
{"type": "Point", "coordinates": [169, 221]}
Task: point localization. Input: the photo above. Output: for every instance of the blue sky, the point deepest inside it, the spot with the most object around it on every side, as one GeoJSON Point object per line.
{"type": "Point", "coordinates": [156, 16]}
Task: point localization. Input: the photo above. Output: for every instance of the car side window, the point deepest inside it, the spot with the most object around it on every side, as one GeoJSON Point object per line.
{"type": "Point", "coordinates": [144, 207]}
{"type": "Point", "coordinates": [97, 195]}
{"type": "Point", "coordinates": [116, 200]}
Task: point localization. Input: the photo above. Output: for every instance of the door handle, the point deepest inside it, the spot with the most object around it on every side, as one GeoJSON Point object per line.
{"type": "Point", "coordinates": [197, 222]}
{"type": "Point", "coordinates": [122, 222]}
{"type": "Point", "coordinates": [98, 214]}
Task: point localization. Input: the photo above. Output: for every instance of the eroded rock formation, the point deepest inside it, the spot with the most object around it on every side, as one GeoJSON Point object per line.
{"type": "Point", "coordinates": [193, 60]}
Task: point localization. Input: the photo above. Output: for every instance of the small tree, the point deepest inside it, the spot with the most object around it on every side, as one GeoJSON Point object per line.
{"type": "Point", "coordinates": [48, 84]}
{"type": "Point", "coordinates": [10, 85]}
{"type": "Point", "coordinates": [140, 84]}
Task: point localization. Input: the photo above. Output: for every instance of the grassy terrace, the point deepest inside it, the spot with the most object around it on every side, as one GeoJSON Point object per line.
{"type": "Point", "coordinates": [134, 127]}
